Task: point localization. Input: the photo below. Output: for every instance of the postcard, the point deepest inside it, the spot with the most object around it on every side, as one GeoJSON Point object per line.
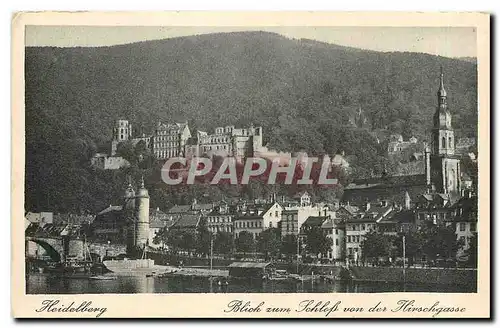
{"type": "Point", "coordinates": [250, 165]}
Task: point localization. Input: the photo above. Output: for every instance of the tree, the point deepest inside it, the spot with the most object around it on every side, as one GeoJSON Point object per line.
{"type": "Point", "coordinates": [160, 236]}
{"type": "Point", "coordinates": [269, 243]}
{"type": "Point", "coordinates": [472, 250]}
{"type": "Point", "coordinates": [317, 242]}
{"type": "Point", "coordinates": [223, 243]}
{"type": "Point", "coordinates": [126, 150]}
{"type": "Point", "coordinates": [376, 244]}
{"type": "Point", "coordinates": [188, 239]}
{"type": "Point", "coordinates": [289, 246]}
{"type": "Point", "coordinates": [414, 242]}
{"type": "Point", "coordinates": [170, 238]}
{"type": "Point", "coordinates": [203, 238]}
{"type": "Point", "coordinates": [245, 242]}
{"type": "Point", "coordinates": [440, 242]}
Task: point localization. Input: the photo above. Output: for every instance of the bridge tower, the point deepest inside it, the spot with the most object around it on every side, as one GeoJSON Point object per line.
{"type": "Point", "coordinates": [142, 215]}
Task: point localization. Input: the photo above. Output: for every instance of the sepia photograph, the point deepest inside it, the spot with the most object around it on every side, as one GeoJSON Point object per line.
{"type": "Point", "coordinates": [251, 160]}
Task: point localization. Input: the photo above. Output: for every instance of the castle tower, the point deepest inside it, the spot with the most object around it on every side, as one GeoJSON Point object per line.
{"type": "Point", "coordinates": [122, 131]}
{"type": "Point", "coordinates": [445, 166]}
{"type": "Point", "coordinates": [142, 216]}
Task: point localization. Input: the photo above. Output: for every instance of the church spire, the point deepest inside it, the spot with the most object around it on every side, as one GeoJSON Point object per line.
{"type": "Point", "coordinates": [441, 92]}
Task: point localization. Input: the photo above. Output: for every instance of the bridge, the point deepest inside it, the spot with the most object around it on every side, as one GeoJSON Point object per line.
{"type": "Point", "coordinates": [60, 248]}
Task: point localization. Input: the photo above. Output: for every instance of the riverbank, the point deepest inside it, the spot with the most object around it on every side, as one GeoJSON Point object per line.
{"type": "Point", "coordinates": [439, 276]}
{"type": "Point", "coordinates": [436, 276]}
{"type": "Point", "coordinates": [201, 272]}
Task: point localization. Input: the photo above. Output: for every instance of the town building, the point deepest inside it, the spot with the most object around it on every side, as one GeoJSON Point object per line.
{"type": "Point", "coordinates": [187, 223]}
{"type": "Point", "coordinates": [169, 140]}
{"type": "Point", "coordinates": [464, 220]}
{"type": "Point", "coordinates": [363, 222]}
{"type": "Point", "coordinates": [331, 227]}
{"type": "Point", "coordinates": [257, 218]}
{"type": "Point", "coordinates": [334, 228]}
{"type": "Point", "coordinates": [435, 208]}
{"type": "Point", "coordinates": [176, 211]}
{"type": "Point", "coordinates": [294, 216]}
{"type": "Point", "coordinates": [220, 219]}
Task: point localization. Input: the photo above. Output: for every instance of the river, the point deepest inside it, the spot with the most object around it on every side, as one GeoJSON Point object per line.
{"type": "Point", "coordinates": [47, 284]}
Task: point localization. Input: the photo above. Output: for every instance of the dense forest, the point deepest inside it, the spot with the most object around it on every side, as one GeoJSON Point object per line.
{"type": "Point", "coordinates": [305, 94]}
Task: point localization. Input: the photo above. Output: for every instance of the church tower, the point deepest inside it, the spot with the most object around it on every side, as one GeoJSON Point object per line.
{"type": "Point", "coordinates": [445, 165]}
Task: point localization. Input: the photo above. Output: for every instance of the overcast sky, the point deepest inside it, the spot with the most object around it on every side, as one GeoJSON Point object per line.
{"type": "Point", "coordinates": [443, 41]}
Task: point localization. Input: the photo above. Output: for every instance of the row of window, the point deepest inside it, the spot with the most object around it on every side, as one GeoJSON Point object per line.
{"type": "Point", "coordinates": [439, 215]}
{"type": "Point", "coordinates": [217, 219]}
{"type": "Point", "coordinates": [221, 229]}
{"type": "Point", "coordinates": [166, 154]}
{"type": "Point", "coordinates": [330, 231]}
{"type": "Point", "coordinates": [215, 140]}
{"type": "Point", "coordinates": [167, 132]}
{"type": "Point", "coordinates": [222, 147]}
{"type": "Point", "coordinates": [248, 224]}
{"type": "Point", "coordinates": [360, 227]}
{"type": "Point", "coordinates": [166, 145]}
{"type": "Point", "coordinates": [167, 138]}
{"type": "Point", "coordinates": [354, 239]}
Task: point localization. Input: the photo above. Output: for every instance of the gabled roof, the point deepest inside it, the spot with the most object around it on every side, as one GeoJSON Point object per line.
{"type": "Point", "coordinates": [466, 209]}
{"type": "Point", "coordinates": [157, 224]}
{"type": "Point", "coordinates": [332, 223]}
{"type": "Point", "coordinates": [315, 221]}
{"type": "Point", "coordinates": [402, 216]}
{"type": "Point", "coordinates": [373, 214]}
{"type": "Point", "coordinates": [187, 221]}
{"type": "Point", "coordinates": [348, 208]}
{"type": "Point", "coordinates": [179, 209]}
{"type": "Point", "coordinates": [111, 208]}
{"type": "Point", "coordinates": [176, 209]}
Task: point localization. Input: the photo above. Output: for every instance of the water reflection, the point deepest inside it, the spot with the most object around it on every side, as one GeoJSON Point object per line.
{"type": "Point", "coordinates": [46, 284]}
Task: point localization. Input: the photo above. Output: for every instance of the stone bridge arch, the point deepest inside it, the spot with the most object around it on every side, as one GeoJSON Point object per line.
{"type": "Point", "coordinates": [53, 247]}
